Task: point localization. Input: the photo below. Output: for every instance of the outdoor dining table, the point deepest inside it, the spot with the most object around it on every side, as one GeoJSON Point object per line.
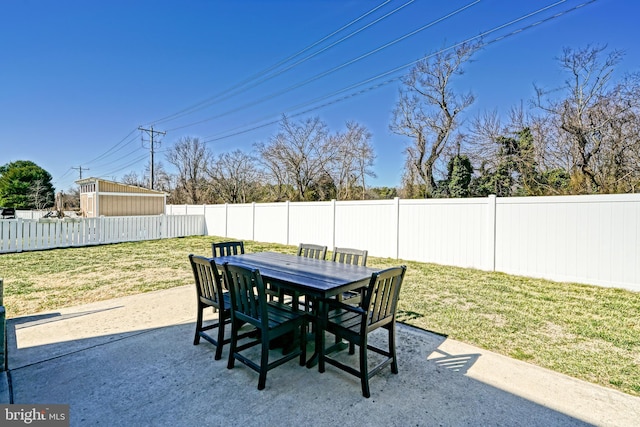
{"type": "Point", "coordinates": [317, 279]}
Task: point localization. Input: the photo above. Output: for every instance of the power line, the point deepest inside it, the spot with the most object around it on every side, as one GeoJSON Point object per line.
{"type": "Point", "coordinates": [256, 125]}
{"type": "Point", "coordinates": [334, 69]}
{"type": "Point", "coordinates": [120, 143]}
{"type": "Point", "coordinates": [221, 96]}
{"type": "Point", "coordinates": [131, 163]}
{"type": "Point", "coordinates": [249, 85]}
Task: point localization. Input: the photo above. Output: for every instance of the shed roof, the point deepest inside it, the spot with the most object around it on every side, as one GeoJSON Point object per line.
{"type": "Point", "coordinates": [135, 188]}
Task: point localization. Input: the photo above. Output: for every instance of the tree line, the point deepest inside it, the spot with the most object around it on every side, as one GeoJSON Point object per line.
{"type": "Point", "coordinates": [581, 137]}
{"type": "Point", "coordinates": [578, 138]}
{"type": "Point", "coordinates": [304, 161]}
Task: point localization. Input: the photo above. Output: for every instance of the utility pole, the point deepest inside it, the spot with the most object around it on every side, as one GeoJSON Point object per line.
{"type": "Point", "coordinates": [151, 132]}
{"type": "Point", "coordinates": [80, 168]}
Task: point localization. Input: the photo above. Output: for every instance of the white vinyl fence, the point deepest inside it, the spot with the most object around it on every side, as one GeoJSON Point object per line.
{"type": "Point", "coordinates": [583, 239]}
{"type": "Point", "coordinates": [17, 235]}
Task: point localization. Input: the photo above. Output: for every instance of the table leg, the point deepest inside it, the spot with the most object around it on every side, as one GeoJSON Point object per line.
{"type": "Point", "coordinates": [319, 314]}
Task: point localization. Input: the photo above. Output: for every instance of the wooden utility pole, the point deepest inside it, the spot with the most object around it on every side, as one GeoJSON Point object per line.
{"type": "Point", "coordinates": [151, 132]}
{"type": "Point", "coordinates": [80, 169]}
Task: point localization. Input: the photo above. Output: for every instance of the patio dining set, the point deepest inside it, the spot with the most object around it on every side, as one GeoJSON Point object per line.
{"type": "Point", "coordinates": [273, 300]}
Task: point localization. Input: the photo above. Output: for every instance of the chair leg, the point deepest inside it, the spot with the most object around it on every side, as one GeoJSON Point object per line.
{"type": "Point", "coordinates": [364, 369]}
{"type": "Point", "coordinates": [352, 348]}
{"type": "Point", "coordinates": [264, 362]}
{"type": "Point", "coordinates": [196, 339]}
{"type": "Point", "coordinates": [221, 320]}
{"type": "Point", "coordinates": [232, 345]}
{"type": "Point", "coordinates": [303, 344]}
{"type": "Point", "coordinates": [392, 348]}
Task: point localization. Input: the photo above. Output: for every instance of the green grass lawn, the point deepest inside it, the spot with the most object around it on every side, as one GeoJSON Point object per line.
{"type": "Point", "coordinates": [587, 332]}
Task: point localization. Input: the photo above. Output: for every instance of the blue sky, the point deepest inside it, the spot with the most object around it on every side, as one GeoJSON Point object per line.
{"type": "Point", "coordinates": [77, 78]}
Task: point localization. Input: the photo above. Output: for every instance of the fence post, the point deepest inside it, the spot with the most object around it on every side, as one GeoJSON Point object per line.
{"type": "Point", "coordinates": [205, 229]}
{"type": "Point", "coordinates": [19, 240]}
{"type": "Point", "coordinates": [491, 233]}
{"type": "Point", "coordinates": [333, 223]}
{"type": "Point", "coordinates": [286, 204]}
{"type": "Point", "coordinates": [226, 219]}
{"type": "Point", "coordinates": [396, 202]}
{"type": "Point", "coordinates": [253, 220]}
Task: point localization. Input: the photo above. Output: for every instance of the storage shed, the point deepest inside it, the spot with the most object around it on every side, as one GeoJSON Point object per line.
{"type": "Point", "coordinates": [99, 197]}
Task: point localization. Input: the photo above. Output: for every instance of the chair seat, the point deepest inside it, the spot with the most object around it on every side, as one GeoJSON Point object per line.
{"type": "Point", "coordinates": [282, 313]}
{"type": "Point", "coordinates": [226, 298]}
{"type": "Point", "coordinates": [346, 317]}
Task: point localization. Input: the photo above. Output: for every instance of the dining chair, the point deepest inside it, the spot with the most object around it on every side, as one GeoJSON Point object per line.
{"type": "Point", "coordinates": [312, 251]}
{"type": "Point", "coordinates": [354, 257]}
{"type": "Point", "coordinates": [271, 319]}
{"type": "Point", "coordinates": [309, 250]}
{"type": "Point", "coordinates": [210, 294]}
{"type": "Point", "coordinates": [354, 324]}
{"type": "Point", "coordinates": [227, 248]}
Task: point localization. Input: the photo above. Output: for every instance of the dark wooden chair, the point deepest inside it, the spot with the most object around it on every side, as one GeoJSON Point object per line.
{"type": "Point", "coordinates": [219, 249]}
{"type": "Point", "coordinates": [352, 323]}
{"type": "Point", "coordinates": [210, 294]}
{"type": "Point", "coordinates": [309, 250]}
{"type": "Point", "coordinates": [272, 320]}
{"type": "Point", "coordinates": [312, 251]}
{"type": "Point", "coordinates": [355, 257]}
{"type": "Point", "coordinates": [227, 248]}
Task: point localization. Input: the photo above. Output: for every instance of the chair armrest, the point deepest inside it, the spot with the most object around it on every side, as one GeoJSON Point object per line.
{"type": "Point", "coordinates": [334, 304]}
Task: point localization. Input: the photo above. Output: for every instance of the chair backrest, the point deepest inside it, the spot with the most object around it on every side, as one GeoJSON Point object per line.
{"type": "Point", "coordinates": [207, 279]}
{"type": "Point", "coordinates": [248, 295]}
{"type": "Point", "coordinates": [227, 248]}
{"type": "Point", "coordinates": [312, 251]}
{"type": "Point", "coordinates": [381, 297]}
{"type": "Point", "coordinates": [350, 256]}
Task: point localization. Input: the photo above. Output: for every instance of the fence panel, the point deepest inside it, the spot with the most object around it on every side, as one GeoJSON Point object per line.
{"type": "Point", "coordinates": [240, 221]}
{"type": "Point", "coordinates": [18, 235]}
{"type": "Point", "coordinates": [311, 222]}
{"type": "Point", "coordinates": [271, 222]}
{"type": "Point", "coordinates": [215, 217]}
{"type": "Point", "coordinates": [370, 225]}
{"type": "Point", "coordinates": [584, 239]}
{"type": "Point", "coordinates": [449, 232]}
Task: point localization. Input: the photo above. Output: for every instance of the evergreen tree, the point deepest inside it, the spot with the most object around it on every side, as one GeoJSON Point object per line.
{"type": "Point", "coordinates": [25, 185]}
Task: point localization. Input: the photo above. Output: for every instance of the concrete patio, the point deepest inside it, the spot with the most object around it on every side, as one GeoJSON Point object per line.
{"type": "Point", "coordinates": [130, 361]}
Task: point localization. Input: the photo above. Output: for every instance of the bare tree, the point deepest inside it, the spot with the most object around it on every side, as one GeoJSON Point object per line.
{"type": "Point", "coordinates": [596, 119]}
{"type": "Point", "coordinates": [298, 158]}
{"type": "Point", "coordinates": [428, 112]}
{"type": "Point", "coordinates": [40, 194]}
{"type": "Point", "coordinates": [71, 198]}
{"type": "Point", "coordinates": [192, 159]}
{"type": "Point", "coordinates": [132, 178]}
{"type": "Point", "coordinates": [353, 162]}
{"type": "Point", "coordinates": [235, 177]}
{"type": "Point", "coordinates": [161, 178]}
